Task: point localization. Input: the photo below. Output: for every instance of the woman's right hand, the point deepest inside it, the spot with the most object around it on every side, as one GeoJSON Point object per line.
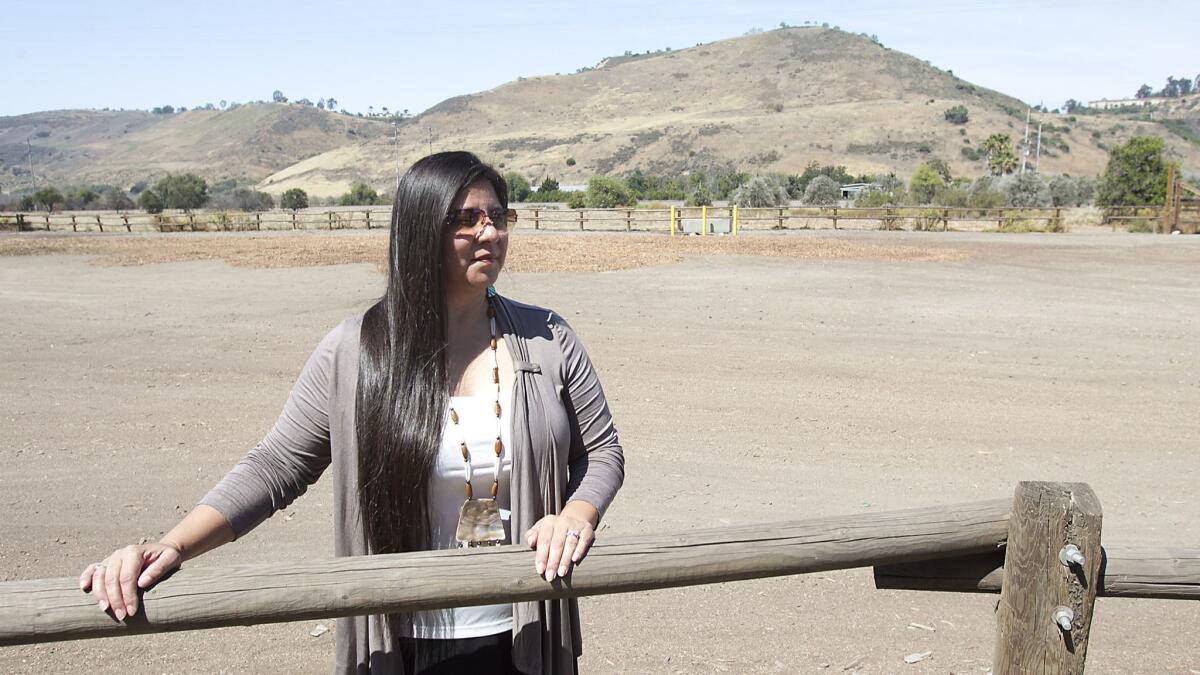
{"type": "Point", "coordinates": [114, 583]}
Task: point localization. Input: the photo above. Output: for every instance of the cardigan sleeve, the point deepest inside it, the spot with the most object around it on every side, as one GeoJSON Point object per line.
{"type": "Point", "coordinates": [291, 456]}
{"type": "Point", "coordinates": [596, 462]}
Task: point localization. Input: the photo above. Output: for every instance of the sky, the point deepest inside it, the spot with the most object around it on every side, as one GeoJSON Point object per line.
{"type": "Point", "coordinates": [413, 54]}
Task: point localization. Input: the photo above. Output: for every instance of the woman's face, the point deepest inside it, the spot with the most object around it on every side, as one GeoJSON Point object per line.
{"type": "Point", "coordinates": [472, 261]}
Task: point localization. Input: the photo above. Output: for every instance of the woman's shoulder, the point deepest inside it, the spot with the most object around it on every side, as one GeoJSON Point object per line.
{"type": "Point", "coordinates": [529, 317]}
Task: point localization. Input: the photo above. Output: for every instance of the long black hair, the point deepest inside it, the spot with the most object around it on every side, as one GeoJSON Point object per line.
{"type": "Point", "coordinates": [402, 382]}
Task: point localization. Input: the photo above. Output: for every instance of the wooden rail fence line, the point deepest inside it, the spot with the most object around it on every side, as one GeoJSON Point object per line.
{"type": "Point", "coordinates": [1041, 551]}
{"type": "Point", "coordinates": [697, 220]}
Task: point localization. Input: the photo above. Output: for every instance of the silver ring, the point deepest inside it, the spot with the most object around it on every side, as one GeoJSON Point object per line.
{"type": "Point", "coordinates": [100, 565]}
{"type": "Point", "coordinates": [573, 533]}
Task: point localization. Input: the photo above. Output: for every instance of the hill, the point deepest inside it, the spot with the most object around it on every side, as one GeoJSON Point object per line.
{"type": "Point", "coordinates": [244, 144]}
{"type": "Point", "coordinates": [773, 101]}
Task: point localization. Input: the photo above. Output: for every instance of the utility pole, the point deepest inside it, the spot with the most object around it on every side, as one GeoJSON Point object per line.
{"type": "Point", "coordinates": [1037, 162]}
{"type": "Point", "coordinates": [1025, 143]}
{"type": "Point", "coordinates": [396, 150]}
{"type": "Point", "coordinates": [32, 175]}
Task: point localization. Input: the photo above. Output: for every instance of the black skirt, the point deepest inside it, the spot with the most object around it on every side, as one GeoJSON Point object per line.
{"type": "Point", "coordinates": [487, 655]}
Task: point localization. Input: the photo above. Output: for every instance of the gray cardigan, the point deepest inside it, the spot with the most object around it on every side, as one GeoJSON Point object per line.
{"type": "Point", "coordinates": [564, 447]}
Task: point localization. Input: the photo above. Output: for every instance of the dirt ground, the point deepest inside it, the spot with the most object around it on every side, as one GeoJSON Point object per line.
{"type": "Point", "coordinates": [768, 378]}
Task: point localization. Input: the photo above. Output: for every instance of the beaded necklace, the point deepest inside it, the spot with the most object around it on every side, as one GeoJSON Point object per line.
{"type": "Point", "coordinates": [479, 521]}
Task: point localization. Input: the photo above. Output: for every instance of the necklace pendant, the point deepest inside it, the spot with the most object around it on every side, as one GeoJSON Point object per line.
{"type": "Point", "coordinates": [480, 524]}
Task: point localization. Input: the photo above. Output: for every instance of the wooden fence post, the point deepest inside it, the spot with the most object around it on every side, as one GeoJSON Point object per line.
{"type": "Point", "coordinates": [192, 221]}
{"type": "Point", "coordinates": [945, 219]}
{"type": "Point", "coordinates": [74, 227]}
{"type": "Point", "coordinates": [258, 221]}
{"type": "Point", "coordinates": [1048, 593]}
{"type": "Point", "coordinates": [581, 220]}
{"type": "Point", "coordinates": [1166, 212]}
{"type": "Point", "coordinates": [628, 220]}
{"type": "Point", "coordinates": [47, 221]}
{"type": "Point", "coordinates": [835, 218]}
{"type": "Point", "coordinates": [125, 218]}
{"type": "Point", "coordinates": [536, 222]}
{"type": "Point", "coordinates": [331, 221]}
{"type": "Point", "coordinates": [100, 223]}
{"type": "Point", "coordinates": [293, 219]}
{"type": "Point", "coordinates": [368, 214]}
{"type": "Point", "coordinates": [781, 219]}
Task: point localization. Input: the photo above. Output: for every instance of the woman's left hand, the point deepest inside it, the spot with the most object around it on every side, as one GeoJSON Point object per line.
{"type": "Point", "coordinates": [562, 540]}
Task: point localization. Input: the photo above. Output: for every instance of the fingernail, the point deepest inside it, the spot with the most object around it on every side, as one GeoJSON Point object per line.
{"type": "Point", "coordinates": [549, 575]}
{"type": "Point", "coordinates": [102, 605]}
{"type": "Point", "coordinates": [120, 613]}
{"type": "Point", "coordinates": [131, 609]}
{"type": "Point", "coordinates": [540, 567]}
{"type": "Point", "coordinates": [562, 571]}
{"type": "Point", "coordinates": [142, 581]}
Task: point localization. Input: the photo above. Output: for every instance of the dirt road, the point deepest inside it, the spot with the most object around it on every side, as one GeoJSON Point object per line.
{"type": "Point", "coordinates": [757, 388]}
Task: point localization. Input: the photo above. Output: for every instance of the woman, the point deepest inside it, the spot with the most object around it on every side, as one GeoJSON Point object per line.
{"type": "Point", "coordinates": [441, 388]}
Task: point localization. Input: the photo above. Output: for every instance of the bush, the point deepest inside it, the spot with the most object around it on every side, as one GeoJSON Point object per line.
{"type": "Point", "coordinates": [115, 199]}
{"type": "Point", "coordinates": [48, 198]}
{"type": "Point", "coordinates": [1025, 189]}
{"type": "Point", "coordinates": [984, 195]}
{"type": "Point", "coordinates": [243, 199]}
{"type": "Point", "coordinates": [570, 161]}
{"type": "Point", "coordinates": [1063, 191]}
{"type": "Point", "coordinates": [957, 114]}
{"type": "Point", "coordinates": [150, 201]}
{"type": "Point", "coordinates": [576, 201]}
{"type": "Point", "coordinates": [180, 191]}
{"type": "Point", "coordinates": [360, 194]}
{"type": "Point", "coordinates": [548, 185]}
{"type": "Point", "coordinates": [926, 183]}
{"type": "Point", "coordinates": [763, 192]}
{"type": "Point", "coordinates": [294, 199]}
{"type": "Point", "coordinates": [699, 197]}
{"type": "Point", "coordinates": [1136, 174]}
{"type": "Point", "coordinates": [606, 192]}
{"type": "Point", "coordinates": [885, 190]}
{"type": "Point", "coordinates": [822, 191]}
{"type": "Point", "coordinates": [519, 188]}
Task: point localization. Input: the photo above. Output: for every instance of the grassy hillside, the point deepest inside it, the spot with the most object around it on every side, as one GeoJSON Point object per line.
{"type": "Point", "coordinates": [768, 102]}
{"type": "Point", "coordinates": [75, 147]}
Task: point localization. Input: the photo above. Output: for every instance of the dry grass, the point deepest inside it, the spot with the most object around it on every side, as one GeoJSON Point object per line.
{"type": "Point", "coordinates": [539, 253]}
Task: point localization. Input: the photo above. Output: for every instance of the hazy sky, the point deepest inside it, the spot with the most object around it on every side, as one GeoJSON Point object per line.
{"type": "Point", "coordinates": [413, 54]}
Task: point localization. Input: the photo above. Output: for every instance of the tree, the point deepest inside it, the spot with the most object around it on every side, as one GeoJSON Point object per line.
{"type": "Point", "coordinates": [360, 194]}
{"type": "Point", "coordinates": [48, 198]}
{"type": "Point", "coordinates": [606, 192]}
{"type": "Point", "coordinates": [150, 201]}
{"type": "Point", "coordinates": [984, 195]}
{"type": "Point", "coordinates": [570, 161]}
{"type": "Point", "coordinates": [548, 185]}
{"type": "Point", "coordinates": [1002, 158]}
{"type": "Point", "coordinates": [1072, 105]}
{"type": "Point", "coordinates": [293, 199]}
{"type": "Point", "coordinates": [925, 184]}
{"type": "Point", "coordinates": [957, 114]}
{"type": "Point", "coordinates": [822, 191]}
{"type": "Point", "coordinates": [518, 187]}
{"type": "Point", "coordinates": [182, 191]}
{"type": "Point", "coordinates": [115, 199]}
{"type": "Point", "coordinates": [278, 97]}
{"type": "Point", "coordinates": [1144, 91]}
{"type": "Point", "coordinates": [223, 104]}
{"type": "Point", "coordinates": [321, 104]}
{"type": "Point", "coordinates": [1136, 174]}
{"type": "Point", "coordinates": [576, 201]}
{"type": "Point", "coordinates": [331, 102]}
{"type": "Point", "coordinates": [762, 192]}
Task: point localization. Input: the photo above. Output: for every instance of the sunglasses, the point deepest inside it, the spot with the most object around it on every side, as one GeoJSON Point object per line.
{"type": "Point", "coordinates": [465, 220]}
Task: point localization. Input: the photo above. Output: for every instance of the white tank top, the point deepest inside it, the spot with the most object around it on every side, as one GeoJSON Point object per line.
{"type": "Point", "coordinates": [477, 422]}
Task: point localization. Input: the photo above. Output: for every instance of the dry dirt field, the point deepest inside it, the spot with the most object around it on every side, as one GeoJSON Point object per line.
{"type": "Point", "coordinates": [766, 378]}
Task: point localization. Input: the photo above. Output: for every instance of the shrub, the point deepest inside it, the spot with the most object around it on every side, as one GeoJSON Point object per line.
{"type": "Point", "coordinates": [1025, 189]}
{"type": "Point", "coordinates": [150, 201]}
{"type": "Point", "coordinates": [48, 198]}
{"type": "Point", "coordinates": [243, 199]}
{"type": "Point", "coordinates": [1063, 191]}
{"type": "Point", "coordinates": [115, 199]}
{"type": "Point", "coordinates": [984, 195]}
{"type": "Point", "coordinates": [576, 201]}
{"type": "Point", "coordinates": [606, 192]}
{"type": "Point", "coordinates": [518, 187]}
{"type": "Point", "coordinates": [926, 183]}
{"type": "Point", "coordinates": [822, 191]}
{"type": "Point", "coordinates": [360, 194]}
{"type": "Point", "coordinates": [570, 161]}
{"type": "Point", "coordinates": [957, 114]}
{"type": "Point", "coordinates": [294, 199]}
{"type": "Point", "coordinates": [763, 192]}
{"type": "Point", "coordinates": [1136, 174]}
{"type": "Point", "coordinates": [699, 197]}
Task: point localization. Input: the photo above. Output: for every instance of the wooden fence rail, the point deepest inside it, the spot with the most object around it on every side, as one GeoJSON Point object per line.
{"type": "Point", "coordinates": [55, 609]}
{"type": "Point", "coordinates": [702, 220]}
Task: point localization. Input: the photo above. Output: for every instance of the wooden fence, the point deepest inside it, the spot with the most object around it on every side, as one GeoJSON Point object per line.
{"type": "Point", "coordinates": [1046, 541]}
{"type": "Point", "coordinates": [675, 220]}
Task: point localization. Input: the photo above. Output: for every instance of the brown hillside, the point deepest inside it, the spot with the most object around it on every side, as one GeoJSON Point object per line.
{"type": "Point", "coordinates": [768, 102]}
{"type": "Point", "coordinates": [247, 143]}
